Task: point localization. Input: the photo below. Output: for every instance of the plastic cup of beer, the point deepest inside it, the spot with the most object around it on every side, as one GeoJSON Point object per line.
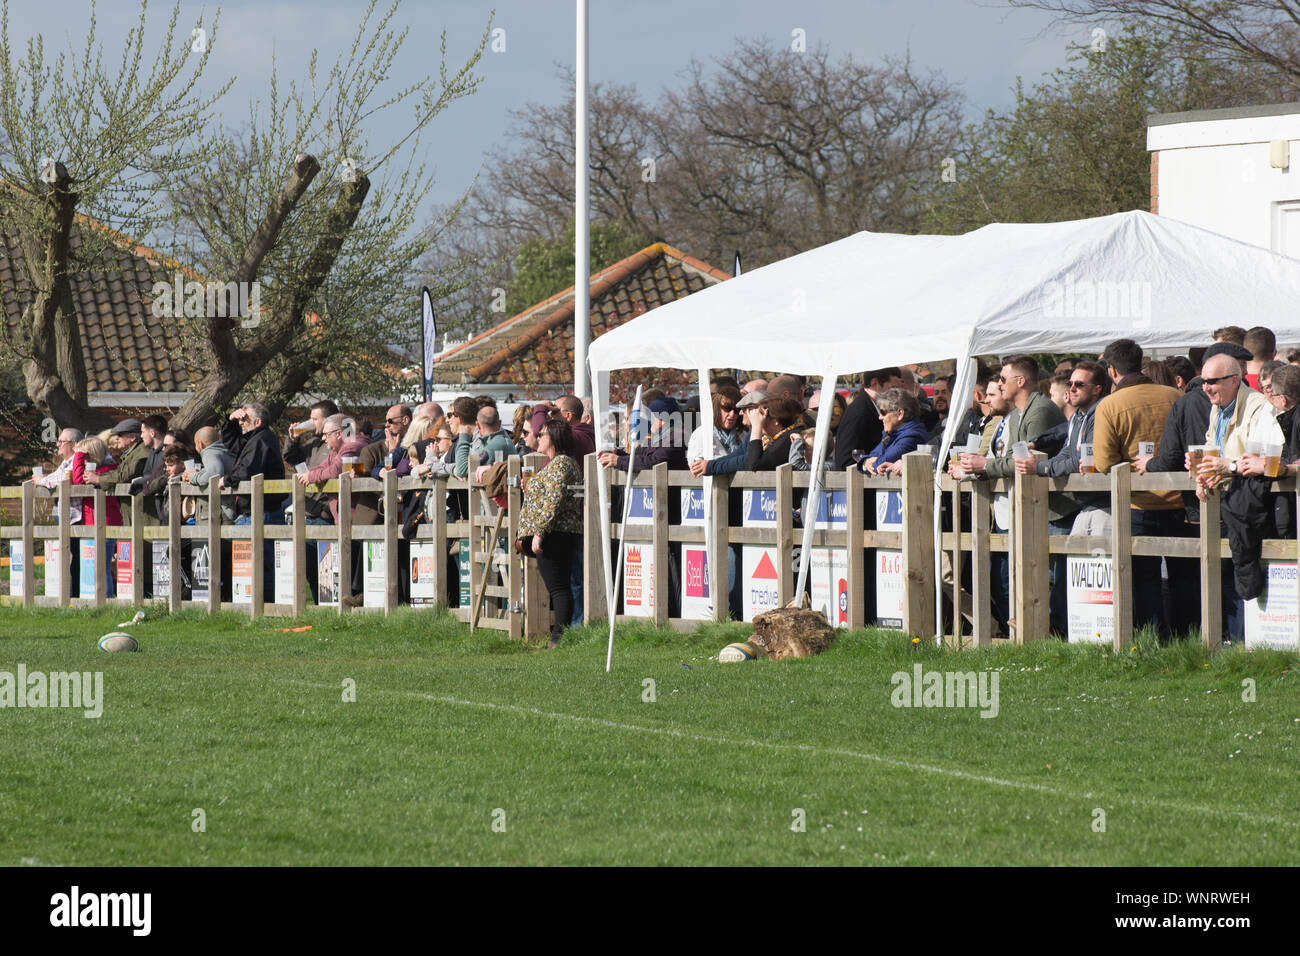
{"type": "Point", "coordinates": [973, 443]}
{"type": "Point", "coordinates": [301, 467]}
{"type": "Point", "coordinates": [38, 472]}
{"type": "Point", "coordinates": [1194, 455]}
{"type": "Point", "coordinates": [1087, 464]}
{"type": "Point", "coordinates": [1020, 450]}
{"type": "Point", "coordinates": [1272, 458]}
{"type": "Point", "coordinates": [350, 465]}
{"type": "Point", "coordinates": [1254, 447]}
{"type": "Point", "coordinates": [1146, 449]}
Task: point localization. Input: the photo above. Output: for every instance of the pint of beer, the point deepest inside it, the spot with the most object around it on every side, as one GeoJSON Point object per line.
{"type": "Point", "coordinates": [1272, 459]}
{"type": "Point", "coordinates": [1194, 455]}
{"type": "Point", "coordinates": [302, 428]}
{"type": "Point", "coordinates": [1087, 464]}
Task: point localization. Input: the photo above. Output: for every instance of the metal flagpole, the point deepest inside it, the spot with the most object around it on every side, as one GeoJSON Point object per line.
{"type": "Point", "coordinates": [581, 240]}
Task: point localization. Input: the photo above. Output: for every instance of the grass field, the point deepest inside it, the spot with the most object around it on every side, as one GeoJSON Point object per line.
{"type": "Point", "coordinates": [451, 732]}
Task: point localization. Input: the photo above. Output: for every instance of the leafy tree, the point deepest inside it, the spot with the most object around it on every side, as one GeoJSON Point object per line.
{"type": "Point", "coordinates": [81, 139]}
{"type": "Point", "coordinates": [1075, 145]}
{"type": "Point", "coordinates": [333, 258]}
{"type": "Point", "coordinates": [543, 267]}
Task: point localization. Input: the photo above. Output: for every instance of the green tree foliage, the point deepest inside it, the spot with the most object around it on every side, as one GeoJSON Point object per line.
{"type": "Point", "coordinates": [1074, 146]}
{"type": "Point", "coordinates": [543, 267]}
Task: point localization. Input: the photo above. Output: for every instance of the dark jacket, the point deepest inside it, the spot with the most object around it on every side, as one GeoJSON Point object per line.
{"type": "Point", "coordinates": [774, 456]}
{"type": "Point", "coordinates": [256, 453]}
{"type": "Point", "coordinates": [1188, 421]}
{"type": "Point", "coordinates": [728, 464]}
{"type": "Point", "coordinates": [860, 429]}
{"type": "Point", "coordinates": [584, 440]}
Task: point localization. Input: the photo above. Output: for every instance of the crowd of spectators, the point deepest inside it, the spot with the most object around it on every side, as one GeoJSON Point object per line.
{"type": "Point", "coordinates": [1085, 415]}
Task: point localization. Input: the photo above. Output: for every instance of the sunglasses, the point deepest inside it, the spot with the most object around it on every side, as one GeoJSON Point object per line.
{"type": "Point", "coordinates": [394, 421]}
{"type": "Point", "coordinates": [1074, 384]}
{"type": "Point", "coordinates": [727, 408]}
{"type": "Point", "coordinates": [1003, 379]}
{"type": "Point", "coordinates": [1216, 381]}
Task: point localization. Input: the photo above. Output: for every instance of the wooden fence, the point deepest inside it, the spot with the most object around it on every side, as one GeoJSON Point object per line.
{"type": "Point", "coordinates": [518, 602]}
{"type": "Point", "coordinates": [497, 578]}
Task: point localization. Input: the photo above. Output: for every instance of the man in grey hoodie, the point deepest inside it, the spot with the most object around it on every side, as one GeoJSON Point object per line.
{"type": "Point", "coordinates": [217, 460]}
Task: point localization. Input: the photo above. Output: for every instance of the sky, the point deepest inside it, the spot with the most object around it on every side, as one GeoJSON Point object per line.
{"type": "Point", "coordinates": [981, 47]}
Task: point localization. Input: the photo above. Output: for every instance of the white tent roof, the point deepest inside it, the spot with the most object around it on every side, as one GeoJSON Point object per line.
{"type": "Point", "coordinates": [878, 299]}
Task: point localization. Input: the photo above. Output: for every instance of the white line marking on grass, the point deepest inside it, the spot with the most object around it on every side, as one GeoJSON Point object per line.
{"type": "Point", "coordinates": [831, 751]}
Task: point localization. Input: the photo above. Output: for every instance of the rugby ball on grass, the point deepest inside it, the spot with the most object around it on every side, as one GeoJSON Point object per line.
{"type": "Point", "coordinates": [118, 641]}
{"type": "Point", "coordinates": [736, 652]}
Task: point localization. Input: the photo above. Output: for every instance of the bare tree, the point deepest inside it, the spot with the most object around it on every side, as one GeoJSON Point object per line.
{"type": "Point", "coordinates": [1262, 31]}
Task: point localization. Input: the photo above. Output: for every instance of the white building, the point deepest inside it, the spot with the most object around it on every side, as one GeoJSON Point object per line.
{"type": "Point", "coordinates": [1230, 171]}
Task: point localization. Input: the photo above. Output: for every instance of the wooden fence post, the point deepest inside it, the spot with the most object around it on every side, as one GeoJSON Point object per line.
{"type": "Point", "coordinates": [214, 548]}
{"type": "Point", "coordinates": [594, 599]}
{"type": "Point", "coordinates": [66, 541]}
{"type": "Point", "coordinates": [440, 557]}
{"type": "Point", "coordinates": [1211, 574]}
{"type": "Point", "coordinates": [175, 577]}
{"type": "Point", "coordinates": [918, 545]}
{"type": "Point", "coordinates": [101, 548]}
{"type": "Point", "coordinates": [29, 542]}
{"type": "Point", "coordinates": [258, 547]}
{"type": "Point", "coordinates": [659, 482]}
{"type": "Point", "coordinates": [137, 549]}
{"type": "Point", "coordinates": [1031, 573]}
{"type": "Point", "coordinates": [344, 557]}
{"type": "Point", "coordinates": [514, 561]}
{"type": "Point", "coordinates": [785, 533]}
{"type": "Point", "coordinates": [720, 560]}
{"type": "Point", "coordinates": [1121, 553]}
{"type": "Point", "coordinates": [855, 520]}
{"type": "Point", "coordinates": [300, 546]}
{"type": "Point", "coordinates": [981, 563]}
{"type": "Point", "coordinates": [392, 522]}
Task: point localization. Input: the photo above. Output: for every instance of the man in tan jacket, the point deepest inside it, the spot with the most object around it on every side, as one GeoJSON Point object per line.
{"type": "Point", "coordinates": [1135, 412]}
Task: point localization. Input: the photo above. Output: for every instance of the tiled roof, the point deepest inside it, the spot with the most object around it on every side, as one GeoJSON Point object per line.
{"type": "Point", "coordinates": [126, 348]}
{"type": "Point", "coordinates": [536, 346]}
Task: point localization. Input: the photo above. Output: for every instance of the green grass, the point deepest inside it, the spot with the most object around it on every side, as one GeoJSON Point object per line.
{"type": "Point", "coordinates": [248, 724]}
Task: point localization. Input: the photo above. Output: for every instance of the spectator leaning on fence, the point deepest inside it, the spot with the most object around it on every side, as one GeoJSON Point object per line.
{"type": "Point", "coordinates": [771, 424]}
{"type": "Point", "coordinates": [257, 452]}
{"type": "Point", "coordinates": [665, 442]}
{"type": "Point", "coordinates": [1136, 412]}
{"type": "Point", "coordinates": [550, 522]}
{"type": "Point", "coordinates": [65, 448]}
{"type": "Point", "coordinates": [726, 435]}
{"type": "Point", "coordinates": [132, 457]}
{"type": "Point", "coordinates": [903, 431]}
{"type": "Point", "coordinates": [87, 463]}
{"type": "Point", "coordinates": [484, 448]}
{"type": "Point", "coordinates": [860, 428]}
{"type": "Point", "coordinates": [215, 462]}
{"type": "Point", "coordinates": [584, 434]}
{"type": "Point", "coordinates": [339, 434]}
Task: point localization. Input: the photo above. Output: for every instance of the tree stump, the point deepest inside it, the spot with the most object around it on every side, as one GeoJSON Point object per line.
{"type": "Point", "coordinates": [791, 632]}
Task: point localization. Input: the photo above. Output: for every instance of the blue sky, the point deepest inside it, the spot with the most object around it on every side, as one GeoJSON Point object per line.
{"type": "Point", "coordinates": [981, 47]}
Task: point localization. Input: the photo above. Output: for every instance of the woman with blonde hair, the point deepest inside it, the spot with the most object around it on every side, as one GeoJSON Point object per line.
{"type": "Point", "coordinates": [90, 452]}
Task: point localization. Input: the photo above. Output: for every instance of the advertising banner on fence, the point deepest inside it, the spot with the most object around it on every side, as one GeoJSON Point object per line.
{"type": "Point", "coordinates": [839, 509]}
{"type": "Point", "coordinates": [758, 563]}
{"type": "Point", "coordinates": [327, 573]}
{"type": "Point", "coordinates": [16, 562]}
{"type": "Point", "coordinates": [241, 572]}
{"type": "Point", "coordinates": [889, 562]}
{"type": "Point", "coordinates": [1090, 599]}
{"type": "Point", "coordinates": [642, 508]}
{"type": "Point", "coordinates": [372, 578]}
{"type": "Point", "coordinates": [86, 571]}
{"type": "Point", "coordinates": [638, 580]}
{"type": "Point", "coordinates": [160, 561]}
{"type": "Point", "coordinates": [124, 571]}
{"type": "Point", "coordinates": [462, 561]}
{"type": "Point", "coordinates": [285, 567]}
{"type": "Point", "coordinates": [1271, 618]}
{"type": "Point", "coordinates": [889, 587]}
{"type": "Point", "coordinates": [424, 586]}
{"type": "Point", "coordinates": [199, 573]}
{"type": "Point", "coordinates": [828, 576]}
{"type": "Point", "coordinates": [693, 507]}
{"type": "Point", "coordinates": [696, 605]}
{"type": "Point", "coordinates": [53, 568]}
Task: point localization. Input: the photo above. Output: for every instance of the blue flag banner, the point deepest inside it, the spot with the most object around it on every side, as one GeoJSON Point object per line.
{"type": "Point", "coordinates": [430, 341]}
